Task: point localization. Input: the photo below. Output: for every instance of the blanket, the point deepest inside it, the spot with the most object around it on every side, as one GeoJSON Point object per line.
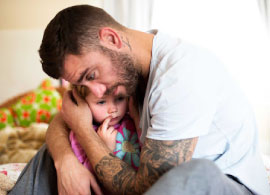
{"type": "Point", "coordinates": [9, 174]}
{"type": "Point", "coordinates": [19, 145]}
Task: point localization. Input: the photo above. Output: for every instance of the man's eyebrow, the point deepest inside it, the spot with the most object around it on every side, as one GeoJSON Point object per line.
{"type": "Point", "coordinates": [82, 75]}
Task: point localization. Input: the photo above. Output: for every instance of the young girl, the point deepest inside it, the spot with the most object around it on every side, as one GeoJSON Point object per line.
{"type": "Point", "coordinates": [114, 126]}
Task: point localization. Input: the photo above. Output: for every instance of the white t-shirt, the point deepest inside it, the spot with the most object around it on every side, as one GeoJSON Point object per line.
{"type": "Point", "coordinates": [190, 94]}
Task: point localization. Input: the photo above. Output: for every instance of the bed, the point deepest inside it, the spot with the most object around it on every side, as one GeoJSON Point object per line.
{"type": "Point", "coordinates": [20, 139]}
{"type": "Point", "coordinates": [23, 124]}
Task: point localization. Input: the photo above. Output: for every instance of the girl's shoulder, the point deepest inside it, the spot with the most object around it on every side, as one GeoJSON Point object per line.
{"type": "Point", "coordinates": [127, 123]}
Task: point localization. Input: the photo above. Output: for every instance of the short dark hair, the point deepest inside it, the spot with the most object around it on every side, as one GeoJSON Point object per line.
{"type": "Point", "coordinates": [69, 32]}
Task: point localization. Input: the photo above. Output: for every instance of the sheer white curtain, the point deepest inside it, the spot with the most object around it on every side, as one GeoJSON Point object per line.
{"type": "Point", "coordinates": [134, 14]}
{"type": "Point", "coordinates": [234, 30]}
{"type": "Point", "coordinates": [264, 6]}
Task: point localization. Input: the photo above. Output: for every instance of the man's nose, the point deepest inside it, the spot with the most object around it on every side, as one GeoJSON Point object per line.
{"type": "Point", "coordinates": [97, 89]}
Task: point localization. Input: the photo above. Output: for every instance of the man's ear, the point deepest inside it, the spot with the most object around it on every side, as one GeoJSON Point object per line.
{"type": "Point", "coordinates": [110, 38]}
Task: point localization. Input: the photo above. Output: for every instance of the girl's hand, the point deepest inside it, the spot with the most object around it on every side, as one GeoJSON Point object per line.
{"type": "Point", "coordinates": [107, 134]}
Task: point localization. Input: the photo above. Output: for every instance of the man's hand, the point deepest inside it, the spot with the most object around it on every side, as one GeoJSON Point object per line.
{"type": "Point", "coordinates": [77, 115]}
{"type": "Point", "coordinates": [107, 134]}
{"type": "Point", "coordinates": [73, 178]}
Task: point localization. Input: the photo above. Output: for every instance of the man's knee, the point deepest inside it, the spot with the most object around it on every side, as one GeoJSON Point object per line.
{"type": "Point", "coordinates": [197, 170]}
{"type": "Point", "coordinates": [203, 166]}
{"type": "Point", "coordinates": [193, 177]}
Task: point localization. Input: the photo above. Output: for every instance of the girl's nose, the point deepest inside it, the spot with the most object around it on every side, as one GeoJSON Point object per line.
{"type": "Point", "coordinates": [112, 109]}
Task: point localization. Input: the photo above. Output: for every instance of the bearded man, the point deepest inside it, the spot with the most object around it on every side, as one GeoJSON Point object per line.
{"type": "Point", "coordinates": [198, 131]}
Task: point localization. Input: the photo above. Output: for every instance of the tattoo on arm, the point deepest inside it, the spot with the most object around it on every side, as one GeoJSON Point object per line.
{"type": "Point", "coordinates": [157, 157]}
{"type": "Point", "coordinates": [115, 175]}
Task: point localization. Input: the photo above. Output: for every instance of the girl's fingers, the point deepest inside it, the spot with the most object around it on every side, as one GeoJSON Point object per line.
{"type": "Point", "coordinates": [99, 130]}
{"type": "Point", "coordinates": [110, 129]}
{"type": "Point", "coordinates": [105, 123]}
{"type": "Point", "coordinates": [114, 132]}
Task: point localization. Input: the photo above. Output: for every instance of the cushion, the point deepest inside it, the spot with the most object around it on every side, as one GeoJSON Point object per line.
{"type": "Point", "coordinates": [38, 106]}
{"type": "Point", "coordinates": [6, 118]}
{"type": "Point", "coordinates": [12, 170]}
{"type": "Point", "coordinates": [9, 174]}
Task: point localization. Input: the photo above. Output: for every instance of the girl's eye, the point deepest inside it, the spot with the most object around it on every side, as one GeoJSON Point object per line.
{"type": "Point", "coordinates": [101, 102]}
{"type": "Point", "coordinates": [90, 77]}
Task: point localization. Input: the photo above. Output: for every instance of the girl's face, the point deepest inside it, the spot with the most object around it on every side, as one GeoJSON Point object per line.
{"type": "Point", "coordinates": [114, 105]}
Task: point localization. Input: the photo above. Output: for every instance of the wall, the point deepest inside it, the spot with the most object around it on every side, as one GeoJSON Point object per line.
{"type": "Point", "coordinates": [31, 14]}
{"type": "Point", "coordinates": [21, 29]}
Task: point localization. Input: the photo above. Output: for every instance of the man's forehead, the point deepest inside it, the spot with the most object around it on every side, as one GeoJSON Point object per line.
{"type": "Point", "coordinates": [70, 66]}
{"type": "Point", "coordinates": [75, 68]}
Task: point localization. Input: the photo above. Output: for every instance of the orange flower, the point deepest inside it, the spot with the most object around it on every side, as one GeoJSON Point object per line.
{"type": "Point", "coordinates": [41, 114]}
{"type": "Point", "coordinates": [46, 85]}
{"type": "Point", "coordinates": [25, 114]}
{"type": "Point", "coordinates": [29, 99]}
{"type": "Point", "coordinates": [3, 117]}
{"type": "Point", "coordinates": [46, 99]}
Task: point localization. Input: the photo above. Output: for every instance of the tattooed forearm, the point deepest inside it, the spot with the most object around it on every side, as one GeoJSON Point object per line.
{"type": "Point", "coordinates": [157, 157]}
{"type": "Point", "coordinates": [115, 175]}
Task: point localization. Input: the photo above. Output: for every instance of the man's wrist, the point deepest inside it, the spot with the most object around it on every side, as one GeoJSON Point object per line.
{"type": "Point", "coordinates": [66, 156]}
{"type": "Point", "coordinates": [84, 134]}
{"type": "Point", "coordinates": [83, 130]}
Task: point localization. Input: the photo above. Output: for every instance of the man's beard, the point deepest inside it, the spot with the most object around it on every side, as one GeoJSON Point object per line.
{"type": "Point", "coordinates": [124, 67]}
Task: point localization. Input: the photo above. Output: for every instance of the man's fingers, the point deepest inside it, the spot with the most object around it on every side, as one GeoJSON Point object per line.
{"type": "Point", "coordinates": [95, 186]}
{"type": "Point", "coordinates": [61, 190]}
{"type": "Point", "coordinates": [77, 97]}
{"type": "Point", "coordinates": [130, 100]}
{"type": "Point", "coordinates": [68, 101]}
{"type": "Point", "coordinates": [67, 97]}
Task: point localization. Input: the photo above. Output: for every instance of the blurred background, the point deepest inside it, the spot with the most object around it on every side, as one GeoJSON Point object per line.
{"type": "Point", "coordinates": [235, 30]}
